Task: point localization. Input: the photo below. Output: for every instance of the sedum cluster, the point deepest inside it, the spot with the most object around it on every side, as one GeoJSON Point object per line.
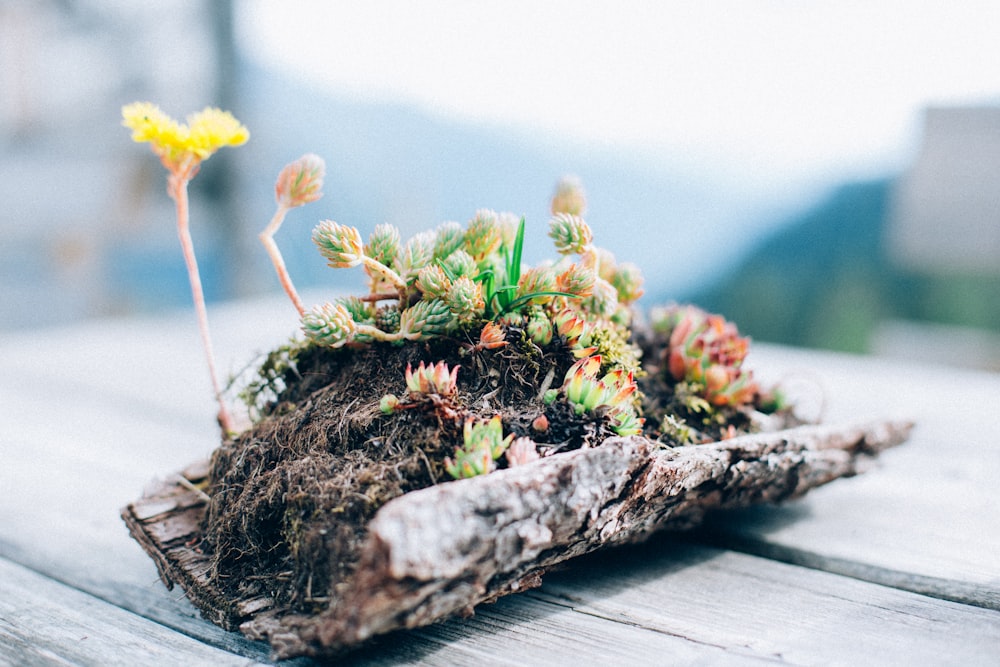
{"type": "Point", "coordinates": [469, 280]}
{"type": "Point", "coordinates": [459, 278]}
{"type": "Point", "coordinates": [707, 352]}
{"type": "Point", "coordinates": [613, 393]}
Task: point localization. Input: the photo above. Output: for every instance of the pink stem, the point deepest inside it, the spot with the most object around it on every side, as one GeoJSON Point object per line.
{"type": "Point", "coordinates": [267, 238]}
{"type": "Point", "coordinates": [178, 190]}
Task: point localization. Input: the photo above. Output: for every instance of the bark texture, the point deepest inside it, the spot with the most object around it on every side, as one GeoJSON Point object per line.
{"type": "Point", "coordinates": [442, 550]}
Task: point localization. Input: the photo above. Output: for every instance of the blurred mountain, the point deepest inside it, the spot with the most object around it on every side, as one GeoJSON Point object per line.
{"type": "Point", "coordinates": [826, 279]}
{"type": "Point", "coordinates": [409, 167]}
{"type": "Point", "coordinates": [821, 281]}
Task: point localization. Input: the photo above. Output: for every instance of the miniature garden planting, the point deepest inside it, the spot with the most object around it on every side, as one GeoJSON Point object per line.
{"type": "Point", "coordinates": [459, 362]}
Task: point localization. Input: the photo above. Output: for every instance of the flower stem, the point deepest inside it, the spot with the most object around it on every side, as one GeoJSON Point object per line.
{"type": "Point", "coordinates": [385, 272]}
{"type": "Point", "coordinates": [179, 192]}
{"type": "Point", "coordinates": [389, 275]}
{"type": "Point", "coordinates": [267, 238]}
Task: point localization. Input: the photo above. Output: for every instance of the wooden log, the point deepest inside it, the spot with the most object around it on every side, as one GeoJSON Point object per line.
{"type": "Point", "coordinates": [442, 550]}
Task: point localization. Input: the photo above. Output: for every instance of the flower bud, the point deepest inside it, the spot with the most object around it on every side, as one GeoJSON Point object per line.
{"type": "Point", "coordinates": [569, 197]}
{"type": "Point", "coordinates": [301, 181]}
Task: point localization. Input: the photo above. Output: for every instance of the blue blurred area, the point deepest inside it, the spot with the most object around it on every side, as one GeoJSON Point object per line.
{"type": "Point", "coordinates": [396, 164]}
{"type": "Point", "coordinates": [88, 229]}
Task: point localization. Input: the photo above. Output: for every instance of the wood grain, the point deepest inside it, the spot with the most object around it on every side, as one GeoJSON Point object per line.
{"type": "Point", "coordinates": [929, 519]}
{"type": "Point", "coordinates": [92, 412]}
{"type": "Point", "coordinates": [43, 622]}
{"type": "Point", "coordinates": [789, 613]}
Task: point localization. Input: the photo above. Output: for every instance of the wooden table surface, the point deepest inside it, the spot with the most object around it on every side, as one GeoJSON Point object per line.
{"type": "Point", "coordinates": [900, 565]}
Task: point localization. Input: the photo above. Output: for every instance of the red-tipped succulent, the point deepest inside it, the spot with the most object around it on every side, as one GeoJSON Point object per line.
{"type": "Point", "coordinates": [432, 379]}
{"type": "Point", "coordinates": [707, 350]}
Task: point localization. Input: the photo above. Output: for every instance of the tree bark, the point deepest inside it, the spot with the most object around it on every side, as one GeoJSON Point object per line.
{"type": "Point", "coordinates": [442, 550]}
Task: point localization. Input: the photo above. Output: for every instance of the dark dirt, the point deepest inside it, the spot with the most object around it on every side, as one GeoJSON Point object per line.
{"type": "Point", "coordinates": [291, 498]}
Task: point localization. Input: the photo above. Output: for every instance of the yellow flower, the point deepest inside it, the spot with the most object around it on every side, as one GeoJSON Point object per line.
{"type": "Point", "coordinates": [211, 129]}
{"type": "Point", "coordinates": [148, 123]}
{"type": "Point", "coordinates": [182, 147]}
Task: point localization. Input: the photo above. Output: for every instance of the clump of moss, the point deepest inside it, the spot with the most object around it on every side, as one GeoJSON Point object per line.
{"type": "Point", "coordinates": [457, 362]}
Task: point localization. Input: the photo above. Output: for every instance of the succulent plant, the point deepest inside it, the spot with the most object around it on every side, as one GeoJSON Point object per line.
{"type": "Point", "coordinates": [340, 244]}
{"type": "Point", "coordinates": [521, 450]}
{"type": "Point", "coordinates": [384, 244]}
{"type": "Point", "coordinates": [448, 237]}
{"type": "Point", "coordinates": [361, 311]}
{"type": "Point", "coordinates": [539, 328]}
{"type": "Point", "coordinates": [570, 233]}
{"type": "Point", "coordinates": [433, 282]}
{"type": "Point", "coordinates": [577, 280]}
{"type": "Point", "coordinates": [627, 280]}
{"type": "Point", "coordinates": [483, 235]}
{"type": "Point", "coordinates": [417, 253]}
{"type": "Point", "coordinates": [299, 183]}
{"type": "Point", "coordinates": [614, 393]}
{"type": "Point", "coordinates": [569, 197]}
{"type": "Point", "coordinates": [492, 337]}
{"type": "Point", "coordinates": [627, 423]}
{"type": "Point", "coordinates": [483, 444]}
{"type": "Point", "coordinates": [388, 404]}
{"type": "Point", "coordinates": [539, 281]}
{"type": "Point", "coordinates": [330, 325]}
{"type": "Point", "coordinates": [458, 264]}
{"type": "Point", "coordinates": [707, 351]}
{"type": "Point", "coordinates": [465, 299]}
{"type": "Point", "coordinates": [387, 317]}
{"type": "Point", "coordinates": [587, 393]}
{"type": "Point", "coordinates": [424, 319]}
{"type": "Point", "coordinates": [432, 379]}
{"type": "Point", "coordinates": [603, 299]}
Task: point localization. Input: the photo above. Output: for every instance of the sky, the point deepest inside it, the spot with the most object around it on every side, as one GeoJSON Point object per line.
{"type": "Point", "coordinates": [768, 93]}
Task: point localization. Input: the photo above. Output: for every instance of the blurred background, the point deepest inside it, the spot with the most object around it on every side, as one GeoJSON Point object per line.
{"type": "Point", "coordinates": [826, 174]}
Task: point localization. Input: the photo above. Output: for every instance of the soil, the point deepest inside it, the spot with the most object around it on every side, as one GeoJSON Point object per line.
{"type": "Point", "coordinates": [292, 497]}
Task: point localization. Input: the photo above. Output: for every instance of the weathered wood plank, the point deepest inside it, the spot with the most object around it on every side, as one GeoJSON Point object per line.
{"type": "Point", "coordinates": [153, 364]}
{"type": "Point", "coordinates": [770, 609]}
{"type": "Point", "coordinates": [927, 520]}
{"type": "Point", "coordinates": [86, 427]}
{"type": "Point", "coordinates": [526, 630]}
{"type": "Point", "coordinates": [43, 622]}
{"type": "Point", "coordinates": [67, 477]}
{"type": "Point", "coordinates": [148, 367]}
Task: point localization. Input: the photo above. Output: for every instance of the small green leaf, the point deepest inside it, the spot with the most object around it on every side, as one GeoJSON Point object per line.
{"type": "Point", "coordinates": [514, 261]}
